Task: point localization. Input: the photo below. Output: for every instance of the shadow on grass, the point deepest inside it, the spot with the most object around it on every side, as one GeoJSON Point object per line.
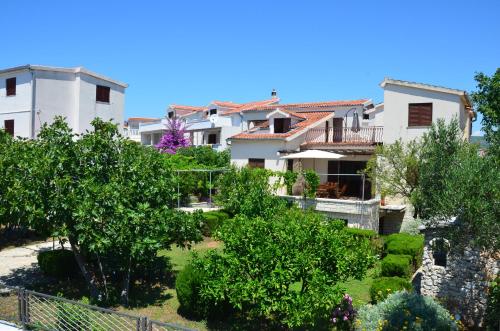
{"type": "Point", "coordinates": [18, 237]}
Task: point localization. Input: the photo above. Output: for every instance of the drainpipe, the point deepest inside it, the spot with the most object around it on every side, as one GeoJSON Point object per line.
{"type": "Point", "coordinates": [33, 102]}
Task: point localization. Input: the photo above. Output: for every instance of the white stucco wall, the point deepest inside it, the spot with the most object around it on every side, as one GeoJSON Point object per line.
{"type": "Point", "coordinates": [396, 100]}
{"type": "Point", "coordinates": [59, 92]}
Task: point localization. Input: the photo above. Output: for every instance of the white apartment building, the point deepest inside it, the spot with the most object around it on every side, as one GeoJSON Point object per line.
{"type": "Point", "coordinates": [31, 95]}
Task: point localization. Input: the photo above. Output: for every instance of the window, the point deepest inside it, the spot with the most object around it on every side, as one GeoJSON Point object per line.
{"type": "Point", "coordinates": [10, 84]}
{"type": "Point", "coordinates": [212, 112]}
{"type": "Point", "coordinates": [419, 114]}
{"type": "Point", "coordinates": [439, 252]}
{"type": "Point", "coordinates": [289, 165]}
{"type": "Point", "coordinates": [256, 163]}
{"type": "Point", "coordinates": [170, 114]}
{"type": "Point", "coordinates": [102, 93]}
{"type": "Point", "coordinates": [282, 125]}
{"type": "Point", "coordinates": [212, 138]}
{"type": "Point", "coordinates": [366, 116]}
{"type": "Point", "coordinates": [8, 126]}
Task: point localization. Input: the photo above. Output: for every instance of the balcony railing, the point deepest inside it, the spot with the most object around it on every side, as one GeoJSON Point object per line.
{"type": "Point", "coordinates": [364, 136]}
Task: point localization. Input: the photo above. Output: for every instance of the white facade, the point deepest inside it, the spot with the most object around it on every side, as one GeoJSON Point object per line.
{"type": "Point", "coordinates": [446, 104]}
{"type": "Point", "coordinates": [41, 93]}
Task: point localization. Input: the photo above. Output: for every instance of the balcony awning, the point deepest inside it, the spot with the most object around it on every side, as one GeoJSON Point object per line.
{"type": "Point", "coordinates": [314, 154]}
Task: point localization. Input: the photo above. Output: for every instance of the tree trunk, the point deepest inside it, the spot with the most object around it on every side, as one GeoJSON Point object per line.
{"type": "Point", "coordinates": [126, 284]}
{"type": "Point", "coordinates": [103, 277]}
{"type": "Point", "coordinates": [94, 291]}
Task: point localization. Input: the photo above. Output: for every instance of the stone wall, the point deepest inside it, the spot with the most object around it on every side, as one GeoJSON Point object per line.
{"type": "Point", "coordinates": [462, 284]}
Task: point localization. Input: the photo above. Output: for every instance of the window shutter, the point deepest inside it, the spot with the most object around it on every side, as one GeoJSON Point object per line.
{"type": "Point", "coordinates": [102, 93]}
{"type": "Point", "coordinates": [282, 125]}
{"type": "Point", "coordinates": [256, 163]}
{"type": "Point", "coordinates": [9, 126]}
{"type": "Point", "coordinates": [419, 114]}
{"type": "Point", "coordinates": [10, 85]}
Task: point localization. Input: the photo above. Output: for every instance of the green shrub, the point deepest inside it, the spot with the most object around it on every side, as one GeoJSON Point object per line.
{"type": "Point", "coordinates": [493, 306]}
{"type": "Point", "coordinates": [383, 286]}
{"type": "Point", "coordinates": [396, 265]}
{"type": "Point", "coordinates": [376, 242]}
{"type": "Point", "coordinates": [187, 286]}
{"type": "Point", "coordinates": [405, 311]}
{"type": "Point", "coordinates": [406, 244]}
{"type": "Point", "coordinates": [59, 263]}
{"type": "Point", "coordinates": [212, 220]}
{"type": "Point", "coordinates": [289, 178]}
{"type": "Point", "coordinates": [312, 183]}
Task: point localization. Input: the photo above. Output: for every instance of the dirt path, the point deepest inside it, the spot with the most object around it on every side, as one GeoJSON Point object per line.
{"type": "Point", "coordinates": [19, 265]}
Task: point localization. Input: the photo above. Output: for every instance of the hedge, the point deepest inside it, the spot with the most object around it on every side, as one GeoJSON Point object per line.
{"type": "Point", "coordinates": [406, 244]}
{"type": "Point", "coordinates": [187, 286]}
{"type": "Point", "coordinates": [376, 242]}
{"type": "Point", "coordinates": [212, 221]}
{"type": "Point", "coordinates": [396, 265]}
{"type": "Point", "coordinates": [59, 263]}
{"type": "Point", "coordinates": [383, 286]}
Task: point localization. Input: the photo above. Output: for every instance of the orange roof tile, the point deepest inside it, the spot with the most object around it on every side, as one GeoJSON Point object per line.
{"type": "Point", "coordinates": [306, 105]}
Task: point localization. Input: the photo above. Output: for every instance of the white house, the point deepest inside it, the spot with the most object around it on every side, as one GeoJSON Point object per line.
{"type": "Point", "coordinates": [209, 125]}
{"type": "Point", "coordinates": [350, 131]}
{"type": "Point", "coordinates": [31, 95]}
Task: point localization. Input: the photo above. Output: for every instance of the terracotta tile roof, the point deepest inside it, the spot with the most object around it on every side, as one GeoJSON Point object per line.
{"type": "Point", "coordinates": [249, 105]}
{"type": "Point", "coordinates": [308, 105]}
{"type": "Point", "coordinates": [228, 104]}
{"type": "Point", "coordinates": [310, 118]}
{"type": "Point", "coordinates": [144, 119]}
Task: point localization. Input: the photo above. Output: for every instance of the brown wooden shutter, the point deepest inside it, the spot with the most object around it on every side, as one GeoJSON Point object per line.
{"type": "Point", "coordinates": [282, 125]}
{"type": "Point", "coordinates": [9, 126]}
{"type": "Point", "coordinates": [419, 114]}
{"type": "Point", "coordinates": [256, 163]}
{"type": "Point", "coordinates": [10, 85]}
{"type": "Point", "coordinates": [102, 93]}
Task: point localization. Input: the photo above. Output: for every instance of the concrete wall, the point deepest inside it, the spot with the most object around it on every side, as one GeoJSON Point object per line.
{"type": "Point", "coordinates": [396, 100]}
{"type": "Point", "coordinates": [17, 107]}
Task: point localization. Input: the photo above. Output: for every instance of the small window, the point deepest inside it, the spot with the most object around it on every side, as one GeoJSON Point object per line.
{"type": "Point", "coordinates": [212, 138]}
{"type": "Point", "coordinates": [439, 252]}
{"type": "Point", "coordinates": [102, 93]}
{"type": "Point", "coordinates": [256, 163]}
{"type": "Point", "coordinates": [170, 114]}
{"type": "Point", "coordinates": [282, 125]}
{"type": "Point", "coordinates": [10, 84]}
{"type": "Point", "coordinates": [419, 114]}
{"type": "Point", "coordinates": [8, 126]}
{"type": "Point", "coordinates": [289, 165]}
{"type": "Point", "coordinates": [366, 116]}
{"type": "Point", "coordinates": [213, 111]}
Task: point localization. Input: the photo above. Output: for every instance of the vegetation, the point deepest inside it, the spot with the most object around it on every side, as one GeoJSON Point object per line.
{"type": "Point", "coordinates": [493, 306]}
{"type": "Point", "coordinates": [383, 286]}
{"type": "Point", "coordinates": [58, 263]}
{"type": "Point", "coordinates": [397, 265]}
{"type": "Point", "coordinates": [285, 268]}
{"type": "Point", "coordinates": [187, 286]}
{"type": "Point", "coordinates": [108, 195]}
{"type": "Point", "coordinates": [406, 244]}
{"type": "Point", "coordinates": [174, 137]}
{"type": "Point", "coordinates": [376, 241]}
{"type": "Point", "coordinates": [405, 311]}
{"type": "Point", "coordinates": [212, 220]}
{"type": "Point", "coordinates": [311, 180]}
{"type": "Point", "coordinates": [289, 179]}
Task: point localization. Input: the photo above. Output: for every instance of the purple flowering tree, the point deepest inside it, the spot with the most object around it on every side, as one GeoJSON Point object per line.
{"type": "Point", "coordinates": [174, 137]}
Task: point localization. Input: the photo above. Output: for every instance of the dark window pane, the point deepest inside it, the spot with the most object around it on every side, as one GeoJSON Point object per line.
{"type": "Point", "coordinates": [256, 163]}
{"type": "Point", "coordinates": [10, 85]}
{"type": "Point", "coordinates": [102, 93]}
{"type": "Point", "coordinates": [289, 165]}
{"type": "Point", "coordinates": [212, 138]}
{"type": "Point", "coordinates": [213, 111]}
{"type": "Point", "coordinates": [170, 114]}
{"type": "Point", "coordinates": [9, 126]}
{"type": "Point", "coordinates": [282, 125]}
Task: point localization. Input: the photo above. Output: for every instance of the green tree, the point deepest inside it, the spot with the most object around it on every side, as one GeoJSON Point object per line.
{"type": "Point", "coordinates": [249, 192]}
{"type": "Point", "coordinates": [487, 101]}
{"type": "Point", "coordinates": [108, 195]}
{"type": "Point", "coordinates": [285, 268]}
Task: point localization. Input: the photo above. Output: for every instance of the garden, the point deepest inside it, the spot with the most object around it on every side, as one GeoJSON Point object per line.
{"type": "Point", "coordinates": [257, 263]}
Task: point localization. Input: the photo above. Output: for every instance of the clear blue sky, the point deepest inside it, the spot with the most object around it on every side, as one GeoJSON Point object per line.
{"type": "Point", "coordinates": [192, 52]}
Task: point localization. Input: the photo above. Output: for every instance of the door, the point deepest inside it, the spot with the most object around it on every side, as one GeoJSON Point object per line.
{"type": "Point", "coordinates": [338, 124]}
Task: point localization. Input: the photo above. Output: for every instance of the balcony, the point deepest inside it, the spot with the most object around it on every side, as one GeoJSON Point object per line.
{"type": "Point", "coordinates": [345, 136]}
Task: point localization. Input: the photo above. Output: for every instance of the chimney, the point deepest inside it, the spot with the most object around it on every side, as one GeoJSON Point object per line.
{"type": "Point", "coordinates": [274, 93]}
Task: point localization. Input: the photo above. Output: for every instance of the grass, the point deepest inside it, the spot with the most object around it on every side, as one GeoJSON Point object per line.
{"type": "Point", "coordinates": [359, 290]}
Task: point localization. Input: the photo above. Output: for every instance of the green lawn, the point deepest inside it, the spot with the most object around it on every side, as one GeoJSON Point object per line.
{"type": "Point", "coordinates": [359, 290]}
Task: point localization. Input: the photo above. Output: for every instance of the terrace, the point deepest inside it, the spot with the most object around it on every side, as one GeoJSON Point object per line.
{"type": "Point", "coordinates": [344, 136]}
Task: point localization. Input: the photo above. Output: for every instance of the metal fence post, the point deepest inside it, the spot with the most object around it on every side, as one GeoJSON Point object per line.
{"type": "Point", "coordinates": [20, 305]}
{"type": "Point", "coordinates": [27, 307]}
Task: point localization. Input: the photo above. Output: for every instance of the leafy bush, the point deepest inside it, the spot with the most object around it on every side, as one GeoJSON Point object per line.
{"type": "Point", "coordinates": [383, 286]}
{"type": "Point", "coordinates": [493, 306]}
{"type": "Point", "coordinates": [376, 242]}
{"type": "Point", "coordinates": [187, 286]}
{"type": "Point", "coordinates": [59, 263]}
{"type": "Point", "coordinates": [289, 178]}
{"type": "Point", "coordinates": [396, 265]}
{"type": "Point", "coordinates": [312, 182]}
{"type": "Point", "coordinates": [284, 268]}
{"type": "Point", "coordinates": [405, 311]}
{"type": "Point", "coordinates": [406, 244]}
{"type": "Point", "coordinates": [212, 220]}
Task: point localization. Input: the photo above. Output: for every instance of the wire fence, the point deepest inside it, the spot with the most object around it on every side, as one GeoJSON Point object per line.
{"type": "Point", "coordinates": [38, 311]}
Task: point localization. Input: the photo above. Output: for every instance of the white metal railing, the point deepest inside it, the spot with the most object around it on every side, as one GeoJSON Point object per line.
{"type": "Point", "coordinates": [131, 132]}
{"type": "Point", "coordinates": [365, 135]}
